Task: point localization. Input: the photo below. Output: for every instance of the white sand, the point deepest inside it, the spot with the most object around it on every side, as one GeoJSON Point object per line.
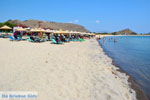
{"type": "Point", "coordinates": [73, 71]}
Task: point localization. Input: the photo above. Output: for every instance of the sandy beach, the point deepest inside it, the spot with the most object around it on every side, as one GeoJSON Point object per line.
{"type": "Point", "coordinates": [73, 71]}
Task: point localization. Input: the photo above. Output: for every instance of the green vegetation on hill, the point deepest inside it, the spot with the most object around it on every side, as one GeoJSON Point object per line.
{"type": "Point", "coordinates": [8, 24]}
{"type": "Point", "coordinates": [103, 33]}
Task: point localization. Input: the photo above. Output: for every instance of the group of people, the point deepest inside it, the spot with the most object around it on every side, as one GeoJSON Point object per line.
{"type": "Point", "coordinates": [66, 38]}
{"type": "Point", "coordinates": [47, 36]}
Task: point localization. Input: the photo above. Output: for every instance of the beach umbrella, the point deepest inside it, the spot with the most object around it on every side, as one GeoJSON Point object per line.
{"type": "Point", "coordinates": [71, 32]}
{"type": "Point", "coordinates": [41, 30]}
{"type": "Point", "coordinates": [67, 32]}
{"type": "Point", "coordinates": [64, 32]}
{"type": "Point", "coordinates": [32, 30]}
{"type": "Point", "coordinates": [88, 33]}
{"type": "Point", "coordinates": [5, 27]}
{"type": "Point", "coordinates": [57, 31]}
{"type": "Point", "coordinates": [50, 31]}
{"type": "Point", "coordinates": [35, 30]}
{"type": "Point", "coordinates": [75, 32]}
{"type": "Point", "coordinates": [83, 33]}
{"type": "Point", "coordinates": [61, 32]}
{"type": "Point", "coordinates": [21, 29]}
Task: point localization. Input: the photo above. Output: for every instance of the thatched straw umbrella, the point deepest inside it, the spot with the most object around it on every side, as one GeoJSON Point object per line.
{"type": "Point", "coordinates": [6, 28]}
{"type": "Point", "coordinates": [39, 30]}
{"type": "Point", "coordinates": [49, 31]}
{"type": "Point", "coordinates": [61, 32]}
{"type": "Point", "coordinates": [34, 30]}
{"type": "Point", "coordinates": [21, 29]}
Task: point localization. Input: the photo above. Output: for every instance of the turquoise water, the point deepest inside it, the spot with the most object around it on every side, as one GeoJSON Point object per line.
{"type": "Point", "coordinates": [132, 54]}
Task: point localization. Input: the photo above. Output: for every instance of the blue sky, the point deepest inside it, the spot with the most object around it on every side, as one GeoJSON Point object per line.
{"type": "Point", "coordinates": [95, 15]}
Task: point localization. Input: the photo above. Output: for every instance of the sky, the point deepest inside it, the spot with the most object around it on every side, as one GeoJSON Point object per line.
{"type": "Point", "coordinates": [95, 15]}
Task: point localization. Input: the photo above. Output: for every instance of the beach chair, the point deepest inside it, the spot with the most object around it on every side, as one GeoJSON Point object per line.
{"type": "Point", "coordinates": [20, 38]}
{"type": "Point", "coordinates": [11, 38]}
{"type": "Point", "coordinates": [30, 40]}
{"type": "Point", "coordinates": [67, 40]}
{"type": "Point", "coordinates": [36, 39]}
{"type": "Point", "coordinates": [54, 41]}
{"type": "Point", "coordinates": [2, 35]}
{"type": "Point", "coordinates": [72, 39]}
{"type": "Point", "coordinates": [81, 40]}
{"type": "Point", "coordinates": [60, 42]}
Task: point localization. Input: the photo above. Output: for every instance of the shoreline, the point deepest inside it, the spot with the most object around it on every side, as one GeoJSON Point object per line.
{"type": "Point", "coordinates": [140, 94]}
{"type": "Point", "coordinates": [101, 36]}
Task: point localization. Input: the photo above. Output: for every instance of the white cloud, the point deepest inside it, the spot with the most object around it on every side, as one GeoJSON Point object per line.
{"type": "Point", "coordinates": [97, 21]}
{"type": "Point", "coordinates": [70, 22]}
{"type": "Point", "coordinates": [74, 21]}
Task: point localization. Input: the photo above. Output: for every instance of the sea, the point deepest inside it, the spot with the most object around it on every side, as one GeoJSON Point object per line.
{"type": "Point", "coordinates": [131, 54]}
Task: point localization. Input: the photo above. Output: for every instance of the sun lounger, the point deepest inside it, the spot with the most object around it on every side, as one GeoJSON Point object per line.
{"type": "Point", "coordinates": [55, 42]}
{"type": "Point", "coordinates": [11, 38]}
{"type": "Point", "coordinates": [4, 36]}
{"type": "Point", "coordinates": [81, 40]}
{"type": "Point", "coordinates": [30, 40]}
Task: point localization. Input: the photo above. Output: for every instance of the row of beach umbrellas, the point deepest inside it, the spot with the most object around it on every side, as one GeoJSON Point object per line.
{"type": "Point", "coordinates": [45, 30]}
{"type": "Point", "coordinates": [52, 31]}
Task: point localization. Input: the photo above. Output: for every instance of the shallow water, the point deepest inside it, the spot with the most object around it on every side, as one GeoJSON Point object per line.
{"type": "Point", "coordinates": [132, 54]}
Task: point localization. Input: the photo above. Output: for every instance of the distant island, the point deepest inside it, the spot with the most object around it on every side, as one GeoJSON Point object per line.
{"type": "Point", "coordinates": [125, 32]}
{"type": "Point", "coordinates": [147, 33]}
{"type": "Point", "coordinates": [121, 32]}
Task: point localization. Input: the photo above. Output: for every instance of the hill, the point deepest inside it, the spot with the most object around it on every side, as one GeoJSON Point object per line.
{"type": "Point", "coordinates": [51, 25]}
{"type": "Point", "coordinates": [125, 32]}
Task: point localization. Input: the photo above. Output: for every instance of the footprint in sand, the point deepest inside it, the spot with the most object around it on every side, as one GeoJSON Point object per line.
{"type": "Point", "coordinates": [108, 97]}
{"type": "Point", "coordinates": [113, 92]}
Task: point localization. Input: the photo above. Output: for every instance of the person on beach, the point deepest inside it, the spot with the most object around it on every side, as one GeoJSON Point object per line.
{"type": "Point", "coordinates": [48, 35]}
{"type": "Point", "coordinates": [31, 37]}
{"type": "Point", "coordinates": [57, 38]}
{"type": "Point", "coordinates": [15, 35]}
